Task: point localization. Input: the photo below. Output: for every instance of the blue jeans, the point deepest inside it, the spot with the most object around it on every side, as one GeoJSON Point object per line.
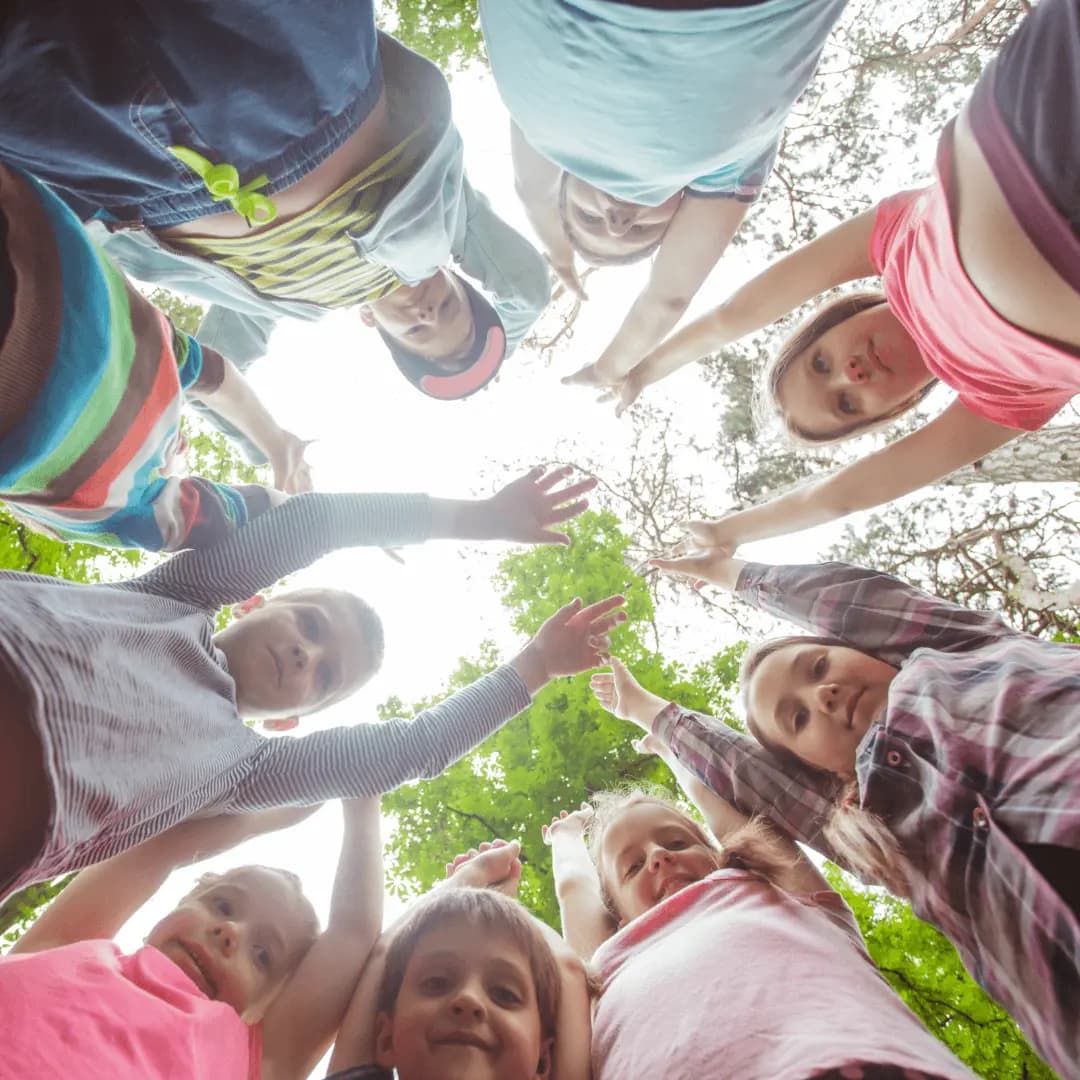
{"type": "Point", "coordinates": [91, 95]}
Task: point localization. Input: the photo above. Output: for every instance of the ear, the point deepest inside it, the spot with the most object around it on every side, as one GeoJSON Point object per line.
{"type": "Point", "coordinates": [384, 1040]}
{"type": "Point", "coordinates": [366, 317]}
{"type": "Point", "coordinates": [282, 723]}
{"type": "Point", "coordinates": [547, 1054]}
{"type": "Point", "coordinates": [246, 607]}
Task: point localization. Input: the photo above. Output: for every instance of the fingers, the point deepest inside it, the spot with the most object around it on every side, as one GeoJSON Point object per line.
{"type": "Point", "coordinates": [596, 611]}
{"type": "Point", "coordinates": [546, 483]}
{"type": "Point", "coordinates": [586, 376]}
{"type": "Point", "coordinates": [546, 536]}
{"type": "Point", "coordinates": [564, 513]}
{"type": "Point", "coordinates": [573, 491]}
{"type": "Point", "coordinates": [603, 625]}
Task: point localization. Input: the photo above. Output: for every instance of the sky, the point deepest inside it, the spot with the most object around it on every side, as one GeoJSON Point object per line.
{"type": "Point", "coordinates": [333, 381]}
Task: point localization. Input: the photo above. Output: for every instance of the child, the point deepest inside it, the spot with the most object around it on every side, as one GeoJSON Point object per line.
{"type": "Point", "coordinates": [468, 985]}
{"type": "Point", "coordinates": [312, 166]}
{"type": "Point", "coordinates": [638, 129]}
{"type": "Point", "coordinates": [237, 983]}
{"type": "Point", "coordinates": [123, 711]}
{"type": "Point", "coordinates": [94, 379]}
{"type": "Point", "coordinates": [930, 747]}
{"type": "Point", "coordinates": [763, 973]}
{"type": "Point", "coordinates": [981, 278]}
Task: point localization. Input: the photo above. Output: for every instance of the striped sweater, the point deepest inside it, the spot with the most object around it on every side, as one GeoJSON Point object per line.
{"type": "Point", "coordinates": [92, 381]}
{"type": "Point", "coordinates": [136, 711]}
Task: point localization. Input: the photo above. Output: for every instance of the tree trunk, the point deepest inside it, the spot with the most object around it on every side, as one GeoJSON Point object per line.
{"type": "Point", "coordinates": [1050, 455]}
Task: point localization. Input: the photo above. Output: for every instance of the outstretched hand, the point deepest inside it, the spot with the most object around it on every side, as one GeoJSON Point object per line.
{"type": "Point", "coordinates": [526, 508]}
{"type": "Point", "coordinates": [292, 474]}
{"type": "Point", "coordinates": [567, 825]}
{"type": "Point", "coordinates": [592, 375]}
{"type": "Point", "coordinates": [623, 696]}
{"type": "Point", "coordinates": [566, 274]}
{"type": "Point", "coordinates": [705, 554]}
{"type": "Point", "coordinates": [494, 865]}
{"type": "Point", "coordinates": [572, 640]}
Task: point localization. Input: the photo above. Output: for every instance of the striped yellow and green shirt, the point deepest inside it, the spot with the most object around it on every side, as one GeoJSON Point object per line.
{"type": "Point", "coordinates": [312, 257]}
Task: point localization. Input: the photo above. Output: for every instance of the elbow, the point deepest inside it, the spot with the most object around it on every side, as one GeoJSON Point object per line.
{"type": "Point", "coordinates": [570, 887]}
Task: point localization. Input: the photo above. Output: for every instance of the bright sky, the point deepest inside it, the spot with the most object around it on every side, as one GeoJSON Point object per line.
{"type": "Point", "coordinates": [332, 380]}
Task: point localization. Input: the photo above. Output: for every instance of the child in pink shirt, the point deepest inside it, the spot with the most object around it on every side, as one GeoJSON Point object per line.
{"type": "Point", "coordinates": [981, 279]}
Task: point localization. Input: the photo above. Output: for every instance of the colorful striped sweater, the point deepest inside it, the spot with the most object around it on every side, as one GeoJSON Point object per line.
{"type": "Point", "coordinates": [92, 382]}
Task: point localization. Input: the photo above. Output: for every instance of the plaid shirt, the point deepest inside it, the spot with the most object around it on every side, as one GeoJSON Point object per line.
{"type": "Point", "coordinates": [978, 752]}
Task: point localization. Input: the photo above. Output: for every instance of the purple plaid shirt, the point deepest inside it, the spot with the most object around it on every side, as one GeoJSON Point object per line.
{"type": "Point", "coordinates": [978, 752]}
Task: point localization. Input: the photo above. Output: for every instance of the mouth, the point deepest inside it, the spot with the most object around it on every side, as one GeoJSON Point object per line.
{"type": "Point", "coordinates": [277, 664]}
{"type": "Point", "coordinates": [852, 702]}
{"type": "Point", "coordinates": [464, 1038]}
{"type": "Point", "coordinates": [199, 970]}
{"type": "Point", "coordinates": [675, 883]}
{"type": "Point", "coordinates": [882, 366]}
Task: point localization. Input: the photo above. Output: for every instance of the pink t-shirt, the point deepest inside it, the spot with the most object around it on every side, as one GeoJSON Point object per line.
{"type": "Point", "coordinates": [88, 1011]}
{"type": "Point", "coordinates": [732, 977]}
{"type": "Point", "coordinates": [999, 371]}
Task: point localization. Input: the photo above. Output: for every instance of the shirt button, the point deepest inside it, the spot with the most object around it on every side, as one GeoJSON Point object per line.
{"type": "Point", "coordinates": [978, 816]}
{"type": "Point", "coordinates": [893, 758]}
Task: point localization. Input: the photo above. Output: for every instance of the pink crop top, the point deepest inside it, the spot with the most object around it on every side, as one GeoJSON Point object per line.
{"type": "Point", "coordinates": [87, 1010]}
{"type": "Point", "coordinates": [999, 371]}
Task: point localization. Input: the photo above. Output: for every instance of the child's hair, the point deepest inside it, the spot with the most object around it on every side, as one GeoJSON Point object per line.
{"type": "Point", "coordinates": [496, 914]}
{"type": "Point", "coordinates": [365, 616]}
{"type": "Point", "coordinates": [860, 838]}
{"type": "Point", "coordinates": [830, 314]}
{"type": "Point", "coordinates": [594, 257]}
{"type": "Point", "coordinates": [752, 847]}
{"type": "Point", "coordinates": [309, 918]}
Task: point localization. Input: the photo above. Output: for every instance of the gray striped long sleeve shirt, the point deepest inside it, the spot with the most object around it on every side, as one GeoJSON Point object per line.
{"type": "Point", "coordinates": [136, 711]}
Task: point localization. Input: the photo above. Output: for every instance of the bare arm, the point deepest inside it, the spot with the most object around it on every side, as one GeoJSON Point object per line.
{"type": "Point", "coordinates": [842, 254]}
{"type": "Point", "coordinates": [102, 898]}
{"type": "Point", "coordinates": [955, 438]}
{"type": "Point", "coordinates": [698, 235]}
{"type": "Point", "coordinates": [586, 921]}
{"type": "Point", "coordinates": [305, 1015]}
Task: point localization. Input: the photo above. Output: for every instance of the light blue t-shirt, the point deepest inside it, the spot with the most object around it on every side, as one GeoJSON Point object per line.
{"type": "Point", "coordinates": [642, 103]}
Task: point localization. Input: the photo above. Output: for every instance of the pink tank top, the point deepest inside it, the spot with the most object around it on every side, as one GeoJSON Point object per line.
{"type": "Point", "coordinates": [999, 371]}
{"type": "Point", "coordinates": [734, 978]}
{"type": "Point", "coordinates": [88, 1011]}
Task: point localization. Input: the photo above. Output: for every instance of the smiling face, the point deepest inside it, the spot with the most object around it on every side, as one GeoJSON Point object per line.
{"type": "Point", "coordinates": [818, 701]}
{"type": "Point", "coordinates": [295, 654]}
{"type": "Point", "coordinates": [648, 853]}
{"type": "Point", "coordinates": [433, 319]}
{"type": "Point", "coordinates": [467, 1010]}
{"type": "Point", "coordinates": [239, 937]}
{"type": "Point", "coordinates": [860, 371]}
{"type": "Point", "coordinates": [606, 228]}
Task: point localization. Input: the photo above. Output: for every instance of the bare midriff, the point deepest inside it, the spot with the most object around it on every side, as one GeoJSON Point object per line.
{"type": "Point", "coordinates": [24, 788]}
{"type": "Point", "coordinates": [373, 138]}
{"type": "Point", "coordinates": [1000, 260]}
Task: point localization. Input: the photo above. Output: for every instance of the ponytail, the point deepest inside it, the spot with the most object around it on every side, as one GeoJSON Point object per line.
{"type": "Point", "coordinates": [866, 844]}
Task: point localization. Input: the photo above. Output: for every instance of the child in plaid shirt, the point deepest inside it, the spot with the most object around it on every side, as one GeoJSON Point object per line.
{"type": "Point", "coordinates": [932, 748]}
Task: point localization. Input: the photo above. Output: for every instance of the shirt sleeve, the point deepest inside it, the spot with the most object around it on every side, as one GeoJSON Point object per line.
{"type": "Point", "coordinates": [506, 265]}
{"type": "Point", "coordinates": [744, 774]}
{"type": "Point", "coordinates": [890, 217]}
{"type": "Point", "coordinates": [868, 610]}
{"type": "Point", "coordinates": [284, 539]}
{"type": "Point", "coordinates": [739, 180]}
{"type": "Point", "coordinates": [368, 759]}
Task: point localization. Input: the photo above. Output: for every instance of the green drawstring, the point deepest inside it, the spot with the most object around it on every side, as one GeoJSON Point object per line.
{"type": "Point", "coordinates": [223, 183]}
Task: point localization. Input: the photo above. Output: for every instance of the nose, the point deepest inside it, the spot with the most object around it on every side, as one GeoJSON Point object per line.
{"type": "Point", "coordinates": [425, 312]}
{"type": "Point", "coordinates": [226, 938]}
{"type": "Point", "coordinates": [857, 369]}
{"type": "Point", "coordinates": [828, 696]}
{"type": "Point", "coordinates": [658, 857]}
{"type": "Point", "coordinates": [619, 220]}
{"type": "Point", "coordinates": [468, 1002]}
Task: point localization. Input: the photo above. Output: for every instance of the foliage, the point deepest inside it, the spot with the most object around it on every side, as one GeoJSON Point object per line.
{"type": "Point", "coordinates": [447, 32]}
{"type": "Point", "coordinates": [925, 970]}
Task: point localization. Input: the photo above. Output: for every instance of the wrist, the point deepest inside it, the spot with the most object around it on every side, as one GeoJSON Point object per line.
{"type": "Point", "coordinates": [461, 519]}
{"type": "Point", "coordinates": [531, 666]}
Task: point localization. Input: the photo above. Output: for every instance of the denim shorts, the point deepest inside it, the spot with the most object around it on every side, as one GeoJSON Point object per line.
{"type": "Point", "coordinates": [1025, 115]}
{"type": "Point", "coordinates": [92, 95]}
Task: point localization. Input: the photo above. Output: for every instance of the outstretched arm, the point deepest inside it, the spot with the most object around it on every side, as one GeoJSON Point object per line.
{"type": "Point", "coordinates": [305, 1015]}
{"type": "Point", "coordinates": [842, 254]}
{"type": "Point", "coordinates": [103, 897]}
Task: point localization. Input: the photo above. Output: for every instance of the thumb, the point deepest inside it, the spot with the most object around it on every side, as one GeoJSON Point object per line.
{"type": "Point", "coordinates": [682, 565]}
{"type": "Point", "coordinates": [582, 377]}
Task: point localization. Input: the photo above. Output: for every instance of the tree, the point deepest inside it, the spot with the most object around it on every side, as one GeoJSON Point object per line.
{"type": "Point", "coordinates": [1050, 455]}
{"type": "Point", "coordinates": [447, 32]}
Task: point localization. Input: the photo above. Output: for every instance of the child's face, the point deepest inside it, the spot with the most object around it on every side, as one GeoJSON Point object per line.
{"type": "Point", "coordinates": [648, 853]}
{"type": "Point", "coordinates": [291, 657]}
{"type": "Point", "coordinates": [433, 319]}
{"type": "Point", "coordinates": [864, 368]}
{"type": "Point", "coordinates": [611, 227]}
{"type": "Point", "coordinates": [238, 939]}
{"type": "Point", "coordinates": [467, 1010]}
{"type": "Point", "coordinates": [818, 701]}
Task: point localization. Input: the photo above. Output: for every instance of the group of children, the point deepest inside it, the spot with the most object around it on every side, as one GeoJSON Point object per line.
{"type": "Point", "coordinates": [925, 747]}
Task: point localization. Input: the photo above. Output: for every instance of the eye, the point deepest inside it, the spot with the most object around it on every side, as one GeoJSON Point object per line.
{"type": "Point", "coordinates": [444, 307]}
{"type": "Point", "coordinates": [262, 957]}
{"type": "Point", "coordinates": [589, 219]}
{"type": "Point", "coordinates": [434, 984]}
{"type": "Point", "coordinates": [677, 844]}
{"type": "Point", "coordinates": [846, 405]}
{"type": "Point", "coordinates": [223, 907]}
{"type": "Point", "coordinates": [821, 665]}
{"type": "Point", "coordinates": [818, 364]}
{"type": "Point", "coordinates": [309, 626]}
{"type": "Point", "coordinates": [632, 869]}
{"type": "Point", "coordinates": [325, 677]}
{"type": "Point", "coordinates": [800, 720]}
{"type": "Point", "coordinates": [506, 997]}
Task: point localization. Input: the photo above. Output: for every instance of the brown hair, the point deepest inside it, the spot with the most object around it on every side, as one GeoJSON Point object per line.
{"type": "Point", "coordinates": [594, 257]}
{"type": "Point", "coordinates": [830, 314]}
{"type": "Point", "coordinates": [752, 847]}
{"type": "Point", "coordinates": [484, 908]}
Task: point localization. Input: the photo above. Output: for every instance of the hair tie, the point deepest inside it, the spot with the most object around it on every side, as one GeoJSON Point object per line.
{"type": "Point", "coordinates": [223, 183]}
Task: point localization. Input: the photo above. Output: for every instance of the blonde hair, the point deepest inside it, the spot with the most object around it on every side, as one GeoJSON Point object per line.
{"type": "Point", "coordinates": [832, 313]}
{"type": "Point", "coordinates": [752, 847]}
